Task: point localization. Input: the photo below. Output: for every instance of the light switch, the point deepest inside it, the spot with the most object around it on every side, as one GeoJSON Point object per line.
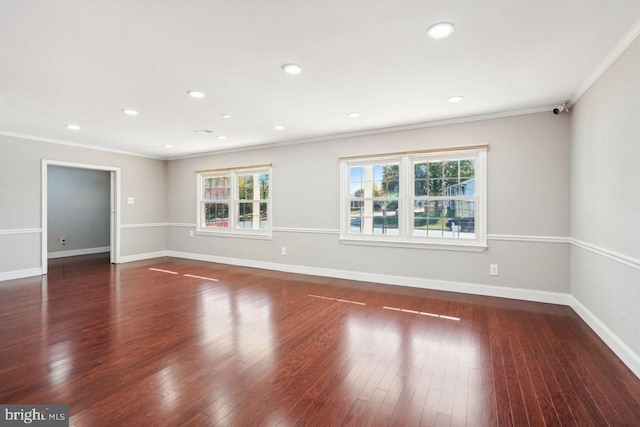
{"type": "Point", "coordinates": [130, 200]}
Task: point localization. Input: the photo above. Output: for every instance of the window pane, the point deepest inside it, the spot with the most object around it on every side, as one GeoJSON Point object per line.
{"type": "Point", "coordinates": [356, 190]}
{"type": "Point", "coordinates": [435, 169]}
{"type": "Point", "coordinates": [245, 187]}
{"type": "Point", "coordinates": [436, 218]}
{"type": "Point", "coordinates": [264, 186]}
{"type": "Point", "coordinates": [435, 187]}
{"type": "Point", "coordinates": [390, 181]}
{"type": "Point", "coordinates": [421, 187]}
{"type": "Point", "coordinates": [420, 214]}
{"type": "Point", "coordinates": [467, 186]}
{"type": "Point", "coordinates": [428, 220]}
{"type": "Point", "coordinates": [216, 215]}
{"type": "Point", "coordinates": [217, 188]}
{"type": "Point", "coordinates": [460, 208]}
{"type": "Point", "coordinates": [386, 180]}
{"type": "Point", "coordinates": [356, 174]}
{"type": "Point", "coordinates": [467, 168]}
{"type": "Point", "coordinates": [245, 215]}
{"type": "Point", "coordinates": [374, 217]}
{"type": "Point", "coordinates": [264, 212]}
{"type": "Point", "coordinates": [374, 180]}
{"type": "Point", "coordinates": [451, 187]}
{"type": "Point", "coordinates": [461, 219]}
{"type": "Point", "coordinates": [385, 217]}
{"type": "Point", "coordinates": [385, 225]}
{"type": "Point", "coordinates": [451, 169]}
{"type": "Point", "coordinates": [355, 224]}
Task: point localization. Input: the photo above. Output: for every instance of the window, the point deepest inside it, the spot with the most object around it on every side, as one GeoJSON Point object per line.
{"type": "Point", "coordinates": [422, 199]}
{"type": "Point", "coordinates": [235, 202]}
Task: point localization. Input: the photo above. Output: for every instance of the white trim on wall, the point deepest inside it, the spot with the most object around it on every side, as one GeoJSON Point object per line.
{"type": "Point", "coordinates": [150, 224]}
{"type": "Point", "coordinates": [306, 230]}
{"type": "Point", "coordinates": [607, 253]}
{"type": "Point", "coordinates": [531, 239]}
{"type": "Point", "coordinates": [441, 285]}
{"type": "Point", "coordinates": [21, 231]}
{"type": "Point", "coordinates": [20, 274]}
{"type": "Point", "coordinates": [615, 53]}
{"type": "Point", "coordinates": [623, 351]}
{"type": "Point", "coordinates": [376, 131]}
{"type": "Point", "coordinates": [75, 144]}
{"type": "Point", "coordinates": [116, 184]}
{"type": "Point", "coordinates": [77, 252]}
{"type": "Point", "coordinates": [621, 258]}
{"type": "Point", "coordinates": [143, 256]}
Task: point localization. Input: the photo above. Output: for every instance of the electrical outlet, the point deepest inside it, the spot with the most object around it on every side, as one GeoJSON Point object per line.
{"type": "Point", "coordinates": [190, 233]}
{"type": "Point", "coordinates": [130, 200]}
{"type": "Point", "coordinates": [283, 251]}
{"type": "Point", "coordinates": [493, 269]}
{"type": "Point", "coordinates": [63, 240]}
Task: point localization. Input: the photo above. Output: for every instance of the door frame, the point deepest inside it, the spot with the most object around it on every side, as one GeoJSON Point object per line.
{"type": "Point", "coordinates": [114, 217]}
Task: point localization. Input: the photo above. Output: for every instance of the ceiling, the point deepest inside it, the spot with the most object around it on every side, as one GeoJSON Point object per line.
{"type": "Point", "coordinates": [82, 62]}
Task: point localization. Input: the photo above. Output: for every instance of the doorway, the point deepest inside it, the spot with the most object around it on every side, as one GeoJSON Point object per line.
{"type": "Point", "coordinates": [62, 169]}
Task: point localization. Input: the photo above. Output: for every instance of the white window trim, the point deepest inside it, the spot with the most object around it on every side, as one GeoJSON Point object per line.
{"type": "Point", "coordinates": [232, 231]}
{"type": "Point", "coordinates": [405, 221]}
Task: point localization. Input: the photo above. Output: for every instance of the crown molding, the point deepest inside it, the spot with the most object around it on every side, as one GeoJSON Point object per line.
{"type": "Point", "coordinates": [75, 144]}
{"type": "Point", "coordinates": [615, 53]}
{"type": "Point", "coordinates": [375, 131]}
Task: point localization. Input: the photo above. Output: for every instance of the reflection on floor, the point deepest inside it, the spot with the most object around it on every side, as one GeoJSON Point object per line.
{"type": "Point", "coordinates": [173, 342]}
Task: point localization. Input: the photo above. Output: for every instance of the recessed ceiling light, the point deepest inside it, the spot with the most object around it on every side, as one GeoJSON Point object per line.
{"type": "Point", "coordinates": [226, 116]}
{"type": "Point", "coordinates": [354, 115]}
{"type": "Point", "coordinates": [73, 127]}
{"type": "Point", "coordinates": [292, 68]}
{"type": "Point", "coordinates": [196, 94]}
{"type": "Point", "coordinates": [168, 146]}
{"type": "Point", "coordinates": [440, 30]}
{"type": "Point", "coordinates": [130, 112]}
{"type": "Point", "coordinates": [278, 127]}
{"type": "Point", "coordinates": [222, 137]}
{"type": "Point", "coordinates": [455, 98]}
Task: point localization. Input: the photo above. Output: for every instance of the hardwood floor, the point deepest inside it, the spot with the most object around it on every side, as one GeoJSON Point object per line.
{"type": "Point", "coordinates": [177, 342]}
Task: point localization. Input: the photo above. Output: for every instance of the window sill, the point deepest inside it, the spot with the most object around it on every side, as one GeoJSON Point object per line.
{"type": "Point", "coordinates": [236, 234]}
{"type": "Point", "coordinates": [473, 246]}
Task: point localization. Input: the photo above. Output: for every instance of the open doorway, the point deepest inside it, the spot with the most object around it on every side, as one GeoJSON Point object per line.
{"type": "Point", "coordinates": [80, 210]}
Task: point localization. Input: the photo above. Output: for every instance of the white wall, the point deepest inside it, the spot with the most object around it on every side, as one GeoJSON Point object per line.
{"type": "Point", "coordinates": [605, 207]}
{"type": "Point", "coordinates": [20, 200]}
{"type": "Point", "coordinates": [528, 180]}
{"type": "Point", "coordinates": [79, 206]}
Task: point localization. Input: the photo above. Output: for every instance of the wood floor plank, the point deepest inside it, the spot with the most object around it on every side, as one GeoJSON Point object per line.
{"type": "Point", "coordinates": [180, 342]}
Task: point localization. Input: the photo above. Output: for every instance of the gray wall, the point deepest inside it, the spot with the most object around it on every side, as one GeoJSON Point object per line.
{"type": "Point", "coordinates": [528, 181]}
{"type": "Point", "coordinates": [78, 208]}
{"type": "Point", "coordinates": [20, 198]}
{"type": "Point", "coordinates": [605, 207]}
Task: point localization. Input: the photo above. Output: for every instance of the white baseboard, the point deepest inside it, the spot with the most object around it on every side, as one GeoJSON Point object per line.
{"type": "Point", "coordinates": [20, 274]}
{"type": "Point", "coordinates": [623, 351]}
{"type": "Point", "coordinates": [441, 285]}
{"type": "Point", "coordinates": [141, 257]}
{"type": "Point", "coordinates": [76, 252]}
{"type": "Point", "coordinates": [626, 354]}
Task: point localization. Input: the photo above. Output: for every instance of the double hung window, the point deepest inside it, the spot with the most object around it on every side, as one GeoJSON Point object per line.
{"type": "Point", "coordinates": [235, 201]}
{"type": "Point", "coordinates": [417, 199]}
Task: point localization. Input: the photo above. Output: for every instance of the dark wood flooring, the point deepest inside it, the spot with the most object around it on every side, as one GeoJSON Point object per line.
{"type": "Point", "coordinates": [176, 342]}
